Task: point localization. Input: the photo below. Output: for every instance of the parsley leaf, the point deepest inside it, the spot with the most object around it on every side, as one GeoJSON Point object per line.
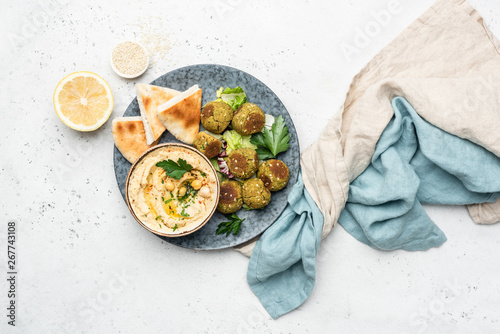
{"type": "Point", "coordinates": [258, 139]}
{"type": "Point", "coordinates": [264, 154]}
{"type": "Point", "coordinates": [184, 164]}
{"type": "Point", "coordinates": [233, 225]}
{"type": "Point", "coordinates": [272, 142]}
{"type": "Point", "coordinates": [175, 228]}
{"type": "Point", "coordinates": [175, 169]}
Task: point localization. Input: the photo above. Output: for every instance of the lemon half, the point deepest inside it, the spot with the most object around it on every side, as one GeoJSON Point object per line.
{"type": "Point", "coordinates": [83, 101]}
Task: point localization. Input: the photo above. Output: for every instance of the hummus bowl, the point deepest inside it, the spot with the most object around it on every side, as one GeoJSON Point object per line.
{"type": "Point", "coordinates": [172, 190]}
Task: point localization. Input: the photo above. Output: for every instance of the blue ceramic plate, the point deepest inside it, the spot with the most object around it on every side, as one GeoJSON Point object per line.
{"type": "Point", "coordinates": [210, 78]}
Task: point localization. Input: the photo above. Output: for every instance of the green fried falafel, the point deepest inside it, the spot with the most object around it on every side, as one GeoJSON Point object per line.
{"type": "Point", "coordinates": [216, 116]}
{"type": "Point", "coordinates": [274, 173]}
{"type": "Point", "coordinates": [243, 162]}
{"type": "Point", "coordinates": [255, 194]}
{"type": "Point", "coordinates": [248, 119]}
{"type": "Point", "coordinates": [231, 197]}
{"type": "Point", "coordinates": [207, 144]}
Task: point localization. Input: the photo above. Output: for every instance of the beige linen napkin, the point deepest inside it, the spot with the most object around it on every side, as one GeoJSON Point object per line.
{"type": "Point", "coordinates": [447, 65]}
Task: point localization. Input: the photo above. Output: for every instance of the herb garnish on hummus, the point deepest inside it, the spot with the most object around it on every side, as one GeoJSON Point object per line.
{"type": "Point", "coordinates": [175, 169]}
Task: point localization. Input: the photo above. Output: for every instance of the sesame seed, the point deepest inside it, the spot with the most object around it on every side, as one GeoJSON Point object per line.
{"type": "Point", "coordinates": [129, 58]}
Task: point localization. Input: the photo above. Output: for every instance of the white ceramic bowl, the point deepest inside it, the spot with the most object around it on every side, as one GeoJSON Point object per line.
{"type": "Point", "coordinates": [138, 74]}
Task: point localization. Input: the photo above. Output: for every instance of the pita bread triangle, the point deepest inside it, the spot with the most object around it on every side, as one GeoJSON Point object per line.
{"type": "Point", "coordinates": [181, 114]}
{"type": "Point", "coordinates": [130, 137]}
{"type": "Point", "coordinates": [149, 97]}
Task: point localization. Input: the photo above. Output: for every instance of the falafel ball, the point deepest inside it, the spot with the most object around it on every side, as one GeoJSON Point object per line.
{"type": "Point", "coordinates": [243, 162]}
{"type": "Point", "coordinates": [207, 144]}
{"type": "Point", "coordinates": [216, 116]}
{"type": "Point", "coordinates": [255, 193]}
{"type": "Point", "coordinates": [274, 173]}
{"type": "Point", "coordinates": [248, 119]}
{"type": "Point", "coordinates": [230, 199]}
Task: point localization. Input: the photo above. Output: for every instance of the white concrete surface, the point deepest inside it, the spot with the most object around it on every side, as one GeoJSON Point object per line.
{"type": "Point", "coordinates": [84, 265]}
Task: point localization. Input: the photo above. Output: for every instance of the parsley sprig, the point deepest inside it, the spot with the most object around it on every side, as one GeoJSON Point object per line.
{"type": "Point", "coordinates": [175, 169]}
{"type": "Point", "coordinates": [271, 142]}
{"type": "Point", "coordinates": [233, 225]}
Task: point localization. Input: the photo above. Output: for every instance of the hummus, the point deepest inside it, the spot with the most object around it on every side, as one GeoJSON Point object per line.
{"type": "Point", "coordinates": [166, 204]}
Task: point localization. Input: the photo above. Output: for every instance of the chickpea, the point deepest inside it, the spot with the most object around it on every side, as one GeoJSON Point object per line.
{"type": "Point", "coordinates": [169, 185]}
{"type": "Point", "coordinates": [196, 184]}
{"type": "Point", "coordinates": [204, 192]}
{"type": "Point", "coordinates": [182, 191]}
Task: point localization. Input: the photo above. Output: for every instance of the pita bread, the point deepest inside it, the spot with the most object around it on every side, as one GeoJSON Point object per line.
{"type": "Point", "coordinates": [181, 115]}
{"type": "Point", "coordinates": [130, 137]}
{"type": "Point", "coordinates": [149, 98]}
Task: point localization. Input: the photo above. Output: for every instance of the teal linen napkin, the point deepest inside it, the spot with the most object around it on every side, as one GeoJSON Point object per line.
{"type": "Point", "coordinates": [416, 162]}
{"type": "Point", "coordinates": [282, 269]}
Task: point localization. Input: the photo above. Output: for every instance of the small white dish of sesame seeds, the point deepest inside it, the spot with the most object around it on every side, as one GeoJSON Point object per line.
{"type": "Point", "coordinates": [129, 59]}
